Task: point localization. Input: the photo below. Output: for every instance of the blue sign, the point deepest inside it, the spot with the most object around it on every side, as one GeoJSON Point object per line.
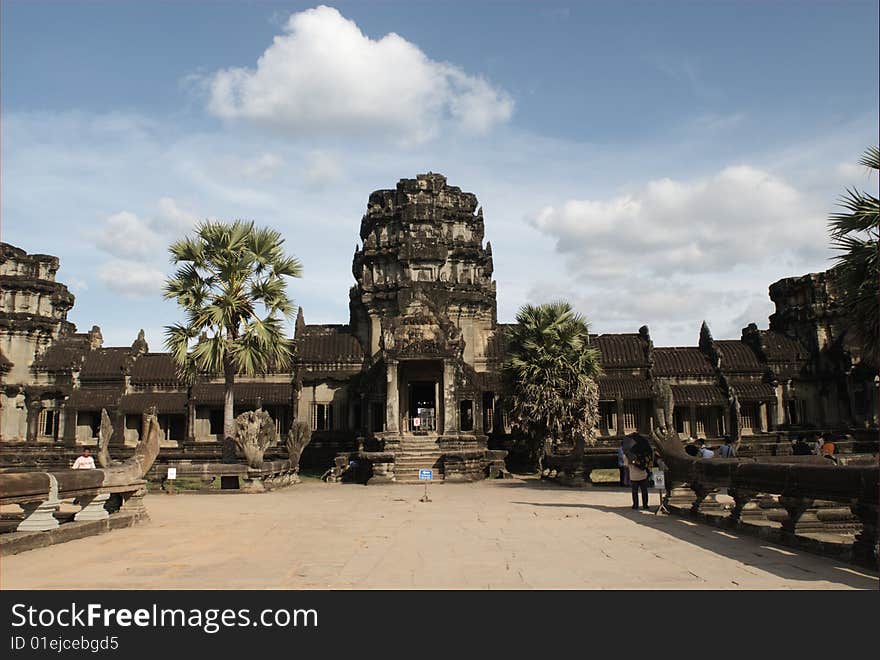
{"type": "Point", "coordinates": [426, 475]}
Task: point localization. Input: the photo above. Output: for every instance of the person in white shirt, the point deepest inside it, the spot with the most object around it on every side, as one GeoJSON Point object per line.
{"type": "Point", "coordinates": [705, 452]}
{"type": "Point", "coordinates": [84, 462]}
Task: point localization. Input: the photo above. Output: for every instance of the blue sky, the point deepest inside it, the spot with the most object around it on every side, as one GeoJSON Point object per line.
{"type": "Point", "coordinates": [655, 163]}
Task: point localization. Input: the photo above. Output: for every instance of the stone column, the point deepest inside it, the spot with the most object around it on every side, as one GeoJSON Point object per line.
{"type": "Point", "coordinates": [392, 403]}
{"type": "Point", "coordinates": [693, 413]}
{"type": "Point", "coordinates": [34, 406]}
{"type": "Point", "coordinates": [762, 416]}
{"type": "Point", "coordinates": [620, 427]}
{"type": "Point", "coordinates": [60, 422]}
{"type": "Point", "coordinates": [449, 412]}
{"type": "Point", "coordinates": [191, 421]}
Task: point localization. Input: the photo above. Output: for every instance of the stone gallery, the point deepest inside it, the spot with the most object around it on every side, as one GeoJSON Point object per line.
{"type": "Point", "coordinates": [415, 373]}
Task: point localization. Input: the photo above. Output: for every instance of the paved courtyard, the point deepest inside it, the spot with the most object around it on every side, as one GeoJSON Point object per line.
{"type": "Point", "coordinates": [501, 534]}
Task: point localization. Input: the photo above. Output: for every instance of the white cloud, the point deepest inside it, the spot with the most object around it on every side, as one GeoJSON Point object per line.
{"type": "Point", "coordinates": [128, 236]}
{"type": "Point", "coordinates": [325, 75]}
{"type": "Point", "coordinates": [322, 168]}
{"type": "Point", "coordinates": [741, 215]}
{"type": "Point", "coordinates": [262, 168]}
{"type": "Point", "coordinates": [173, 218]}
{"type": "Point", "coordinates": [130, 278]}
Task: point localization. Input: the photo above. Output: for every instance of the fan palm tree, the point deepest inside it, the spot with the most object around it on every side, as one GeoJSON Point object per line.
{"type": "Point", "coordinates": [550, 374]}
{"type": "Point", "coordinates": [855, 233]}
{"type": "Point", "coordinates": [230, 281]}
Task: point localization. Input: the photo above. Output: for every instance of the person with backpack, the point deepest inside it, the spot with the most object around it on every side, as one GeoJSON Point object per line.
{"type": "Point", "coordinates": [639, 460]}
{"type": "Point", "coordinates": [727, 449]}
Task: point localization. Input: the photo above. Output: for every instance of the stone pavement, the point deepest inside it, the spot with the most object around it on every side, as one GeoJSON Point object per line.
{"type": "Point", "coordinates": [518, 533]}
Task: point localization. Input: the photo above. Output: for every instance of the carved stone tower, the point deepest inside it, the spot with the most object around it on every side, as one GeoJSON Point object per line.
{"type": "Point", "coordinates": [424, 303]}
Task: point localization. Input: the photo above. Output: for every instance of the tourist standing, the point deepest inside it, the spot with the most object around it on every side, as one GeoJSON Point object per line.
{"type": "Point", "coordinates": [84, 462]}
{"type": "Point", "coordinates": [800, 446]}
{"type": "Point", "coordinates": [727, 449]}
{"type": "Point", "coordinates": [622, 467]}
{"type": "Point", "coordinates": [638, 462]}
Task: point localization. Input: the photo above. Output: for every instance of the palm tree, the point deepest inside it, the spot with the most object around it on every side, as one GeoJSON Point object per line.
{"type": "Point", "coordinates": [231, 283]}
{"type": "Point", "coordinates": [855, 233]}
{"type": "Point", "coordinates": [550, 374]}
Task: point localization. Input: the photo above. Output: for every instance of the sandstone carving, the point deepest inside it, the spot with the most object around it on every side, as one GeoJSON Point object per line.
{"type": "Point", "coordinates": [254, 433]}
{"type": "Point", "coordinates": [298, 437]}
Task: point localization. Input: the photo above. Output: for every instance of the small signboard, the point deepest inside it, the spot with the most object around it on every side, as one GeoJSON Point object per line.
{"type": "Point", "coordinates": [426, 475]}
{"type": "Point", "coordinates": [172, 473]}
{"type": "Point", "coordinates": [659, 479]}
{"type": "Point", "coordinates": [417, 422]}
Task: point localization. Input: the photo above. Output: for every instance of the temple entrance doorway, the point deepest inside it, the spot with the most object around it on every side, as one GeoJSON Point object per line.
{"type": "Point", "coordinates": [423, 406]}
{"type": "Point", "coordinates": [421, 396]}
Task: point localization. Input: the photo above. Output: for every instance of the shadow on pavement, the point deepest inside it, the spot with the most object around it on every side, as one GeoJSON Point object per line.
{"type": "Point", "coordinates": [750, 550]}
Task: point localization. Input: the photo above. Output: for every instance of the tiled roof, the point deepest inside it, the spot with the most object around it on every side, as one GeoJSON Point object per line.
{"type": "Point", "coordinates": [612, 388]}
{"type": "Point", "coordinates": [165, 402]}
{"type": "Point", "coordinates": [623, 350]}
{"type": "Point", "coordinates": [64, 354]}
{"type": "Point", "coordinates": [246, 392]}
{"type": "Point", "coordinates": [681, 361]}
{"type": "Point", "coordinates": [753, 391]}
{"type": "Point", "coordinates": [104, 364]}
{"type": "Point", "coordinates": [329, 343]}
{"type": "Point", "coordinates": [154, 368]}
{"type": "Point", "coordinates": [780, 347]}
{"type": "Point", "coordinates": [700, 395]}
{"type": "Point", "coordinates": [737, 356]}
{"type": "Point", "coordinates": [93, 399]}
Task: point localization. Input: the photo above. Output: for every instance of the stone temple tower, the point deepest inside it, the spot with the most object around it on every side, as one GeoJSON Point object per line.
{"type": "Point", "coordinates": [424, 306]}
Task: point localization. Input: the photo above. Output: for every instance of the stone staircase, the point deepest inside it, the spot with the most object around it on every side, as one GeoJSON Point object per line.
{"type": "Point", "coordinates": [413, 454]}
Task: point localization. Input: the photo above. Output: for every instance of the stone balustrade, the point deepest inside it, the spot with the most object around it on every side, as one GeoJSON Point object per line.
{"type": "Point", "coordinates": [103, 506]}
{"type": "Point", "coordinates": [795, 501]}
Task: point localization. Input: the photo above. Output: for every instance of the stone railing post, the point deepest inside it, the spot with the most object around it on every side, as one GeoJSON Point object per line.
{"type": "Point", "coordinates": [800, 518]}
{"type": "Point", "coordinates": [743, 505]}
{"type": "Point", "coordinates": [93, 508]}
{"type": "Point", "coordinates": [705, 501]}
{"type": "Point", "coordinates": [865, 547]}
{"type": "Point", "coordinates": [39, 515]}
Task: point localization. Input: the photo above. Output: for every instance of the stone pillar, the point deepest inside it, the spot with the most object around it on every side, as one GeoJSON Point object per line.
{"type": "Point", "coordinates": [118, 422]}
{"type": "Point", "coordinates": [449, 412]}
{"type": "Point", "coordinates": [70, 427]}
{"type": "Point", "coordinates": [392, 402]}
{"type": "Point", "coordinates": [620, 427]}
{"type": "Point", "coordinates": [191, 421]}
{"type": "Point", "coordinates": [34, 406]}
{"type": "Point", "coordinates": [60, 422]}
{"type": "Point", "coordinates": [693, 413]}
{"type": "Point", "coordinates": [772, 413]}
{"type": "Point", "coordinates": [762, 416]}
